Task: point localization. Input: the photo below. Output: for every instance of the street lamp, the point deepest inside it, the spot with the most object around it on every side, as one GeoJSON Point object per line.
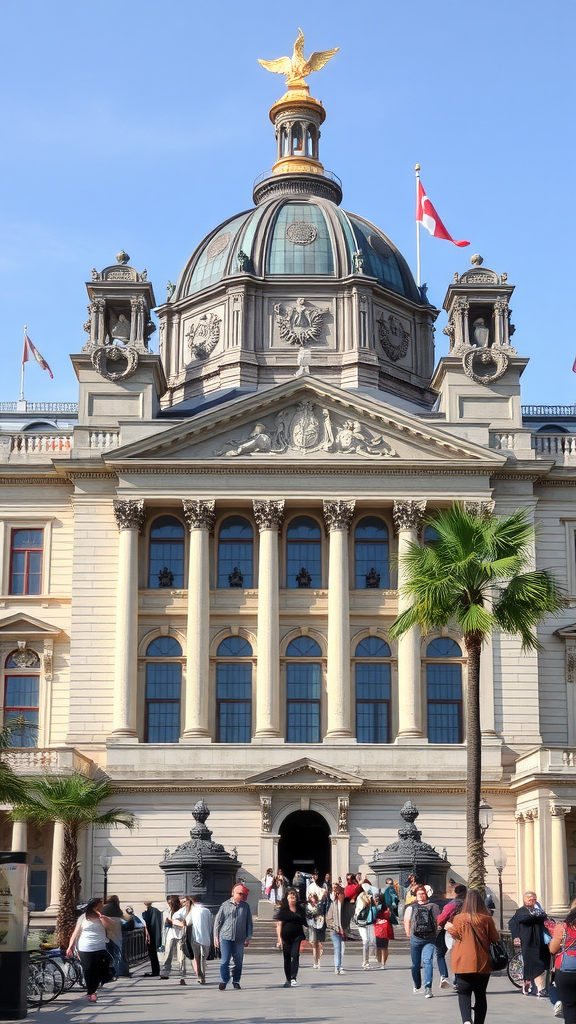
{"type": "Point", "coordinates": [105, 862]}
{"type": "Point", "coordinates": [500, 861]}
{"type": "Point", "coordinates": [485, 816]}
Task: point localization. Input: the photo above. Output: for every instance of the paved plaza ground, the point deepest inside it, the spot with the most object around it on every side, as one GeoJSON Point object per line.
{"type": "Point", "coordinates": [357, 997]}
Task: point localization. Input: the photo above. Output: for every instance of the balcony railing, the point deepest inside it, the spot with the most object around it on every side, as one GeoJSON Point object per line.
{"type": "Point", "coordinates": [40, 407]}
{"type": "Point", "coordinates": [548, 410]}
{"type": "Point", "coordinates": [34, 444]}
{"type": "Point", "coordinates": [554, 444]}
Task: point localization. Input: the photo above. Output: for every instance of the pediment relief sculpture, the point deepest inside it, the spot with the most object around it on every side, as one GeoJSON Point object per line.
{"type": "Point", "coordinates": [300, 324]}
{"type": "Point", "coordinates": [305, 429]}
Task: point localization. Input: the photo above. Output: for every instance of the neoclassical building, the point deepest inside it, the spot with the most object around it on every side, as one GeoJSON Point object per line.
{"type": "Point", "coordinates": [197, 563]}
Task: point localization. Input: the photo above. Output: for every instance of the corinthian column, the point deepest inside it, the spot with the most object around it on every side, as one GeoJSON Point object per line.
{"type": "Point", "coordinates": [130, 516]}
{"type": "Point", "coordinates": [200, 517]}
{"type": "Point", "coordinates": [559, 862]}
{"type": "Point", "coordinates": [408, 516]}
{"type": "Point", "coordinates": [338, 516]}
{"type": "Point", "coordinates": [269, 516]}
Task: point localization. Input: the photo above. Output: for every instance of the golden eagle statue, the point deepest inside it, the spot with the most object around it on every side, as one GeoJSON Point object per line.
{"type": "Point", "coordinates": [297, 68]}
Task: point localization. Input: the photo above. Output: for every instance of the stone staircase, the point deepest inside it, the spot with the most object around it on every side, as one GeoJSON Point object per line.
{"type": "Point", "coordinates": [264, 941]}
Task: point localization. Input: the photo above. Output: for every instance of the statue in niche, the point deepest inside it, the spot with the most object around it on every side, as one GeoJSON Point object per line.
{"type": "Point", "coordinates": [481, 333]}
{"type": "Point", "coordinates": [121, 330]}
{"type": "Point", "coordinates": [165, 577]}
{"type": "Point", "coordinates": [303, 578]}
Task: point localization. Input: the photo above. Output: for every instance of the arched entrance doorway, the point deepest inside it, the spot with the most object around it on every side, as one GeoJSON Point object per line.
{"type": "Point", "coordinates": [304, 843]}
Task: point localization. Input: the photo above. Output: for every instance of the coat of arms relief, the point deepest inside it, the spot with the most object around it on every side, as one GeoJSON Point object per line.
{"type": "Point", "coordinates": [305, 429]}
{"type": "Point", "coordinates": [300, 324]}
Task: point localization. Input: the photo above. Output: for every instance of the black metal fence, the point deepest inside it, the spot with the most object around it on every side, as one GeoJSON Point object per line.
{"type": "Point", "coordinates": [134, 947]}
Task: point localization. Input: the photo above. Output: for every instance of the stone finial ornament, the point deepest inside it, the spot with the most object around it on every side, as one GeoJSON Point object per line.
{"type": "Point", "coordinates": [122, 257]}
{"type": "Point", "coordinates": [476, 260]}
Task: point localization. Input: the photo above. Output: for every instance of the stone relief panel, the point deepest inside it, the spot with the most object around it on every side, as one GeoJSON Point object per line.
{"type": "Point", "coordinates": [306, 429]}
{"type": "Point", "coordinates": [201, 333]}
{"type": "Point", "coordinates": [393, 335]}
{"type": "Point", "coordinates": [301, 322]}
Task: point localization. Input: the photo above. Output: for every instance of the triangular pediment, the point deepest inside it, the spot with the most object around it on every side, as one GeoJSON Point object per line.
{"type": "Point", "coordinates": [566, 632]}
{"type": "Point", "coordinates": [305, 420]}
{"type": "Point", "coordinates": [22, 625]}
{"type": "Point", "coordinates": [304, 772]}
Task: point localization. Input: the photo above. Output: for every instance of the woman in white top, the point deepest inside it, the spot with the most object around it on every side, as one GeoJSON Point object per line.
{"type": "Point", "coordinates": [89, 938]}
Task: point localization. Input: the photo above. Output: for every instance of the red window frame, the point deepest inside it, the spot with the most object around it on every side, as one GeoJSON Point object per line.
{"type": "Point", "coordinates": [26, 552]}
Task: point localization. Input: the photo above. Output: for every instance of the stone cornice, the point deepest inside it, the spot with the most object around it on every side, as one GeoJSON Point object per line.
{"type": "Point", "coordinates": [250, 467]}
{"type": "Point", "coordinates": [6, 481]}
{"type": "Point", "coordinates": [407, 787]}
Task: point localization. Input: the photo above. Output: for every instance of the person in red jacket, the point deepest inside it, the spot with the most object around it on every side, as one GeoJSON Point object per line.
{"type": "Point", "coordinates": [383, 932]}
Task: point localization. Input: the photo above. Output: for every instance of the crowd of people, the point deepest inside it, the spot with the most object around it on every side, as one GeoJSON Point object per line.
{"type": "Point", "coordinates": [309, 908]}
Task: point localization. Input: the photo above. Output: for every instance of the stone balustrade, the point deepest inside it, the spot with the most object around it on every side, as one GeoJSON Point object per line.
{"type": "Point", "coordinates": [102, 439]}
{"type": "Point", "coordinates": [42, 760]}
{"type": "Point", "coordinates": [40, 444]}
{"type": "Point", "coordinates": [502, 441]}
{"type": "Point", "coordinates": [563, 445]}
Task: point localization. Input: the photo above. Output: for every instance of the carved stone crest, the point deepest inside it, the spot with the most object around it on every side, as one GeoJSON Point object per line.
{"type": "Point", "coordinates": [343, 805]}
{"type": "Point", "coordinates": [393, 336]}
{"type": "Point", "coordinates": [218, 245]}
{"type": "Point", "coordinates": [495, 360]}
{"type": "Point", "coordinates": [105, 357]}
{"type": "Point", "coordinates": [300, 232]}
{"type": "Point", "coordinates": [299, 324]}
{"type": "Point", "coordinates": [266, 813]}
{"type": "Point", "coordinates": [24, 658]}
{"type": "Point", "coordinates": [304, 429]}
{"type": "Point", "coordinates": [203, 336]}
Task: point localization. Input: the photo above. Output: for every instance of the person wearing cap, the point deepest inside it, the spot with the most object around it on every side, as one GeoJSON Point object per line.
{"type": "Point", "coordinates": [232, 932]}
{"type": "Point", "coordinates": [152, 918]}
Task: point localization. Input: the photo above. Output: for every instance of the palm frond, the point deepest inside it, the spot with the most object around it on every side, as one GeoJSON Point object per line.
{"type": "Point", "coordinates": [73, 800]}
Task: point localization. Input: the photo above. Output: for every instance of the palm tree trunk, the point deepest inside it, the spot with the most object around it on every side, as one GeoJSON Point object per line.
{"type": "Point", "coordinates": [70, 886]}
{"type": "Point", "coordinates": [474, 838]}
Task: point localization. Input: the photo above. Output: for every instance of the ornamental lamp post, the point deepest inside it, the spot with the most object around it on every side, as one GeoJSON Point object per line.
{"type": "Point", "coordinates": [105, 862]}
{"type": "Point", "coordinates": [500, 860]}
{"type": "Point", "coordinates": [485, 816]}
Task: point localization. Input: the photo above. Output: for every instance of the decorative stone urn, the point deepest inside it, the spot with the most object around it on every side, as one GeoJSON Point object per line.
{"type": "Point", "coordinates": [409, 855]}
{"type": "Point", "coordinates": [201, 866]}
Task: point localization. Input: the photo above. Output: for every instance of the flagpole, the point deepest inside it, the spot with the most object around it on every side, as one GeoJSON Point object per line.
{"type": "Point", "coordinates": [23, 365]}
{"type": "Point", "coordinates": [418, 281]}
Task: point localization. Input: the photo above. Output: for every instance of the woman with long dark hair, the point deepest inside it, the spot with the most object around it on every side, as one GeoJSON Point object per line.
{"type": "Point", "coordinates": [563, 945]}
{"type": "Point", "coordinates": [473, 930]}
{"type": "Point", "coordinates": [89, 938]}
{"type": "Point", "coordinates": [290, 919]}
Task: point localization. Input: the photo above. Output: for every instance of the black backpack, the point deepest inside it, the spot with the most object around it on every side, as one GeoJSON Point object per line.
{"type": "Point", "coordinates": [423, 921]}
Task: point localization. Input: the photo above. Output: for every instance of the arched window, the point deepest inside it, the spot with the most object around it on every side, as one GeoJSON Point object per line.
{"type": "Point", "coordinates": [371, 551]}
{"type": "Point", "coordinates": [166, 553]}
{"type": "Point", "coordinates": [303, 687]}
{"type": "Point", "coordinates": [21, 697]}
{"type": "Point", "coordinates": [234, 691]}
{"type": "Point", "coordinates": [430, 535]}
{"type": "Point", "coordinates": [235, 558]}
{"type": "Point", "coordinates": [372, 691]}
{"type": "Point", "coordinates": [303, 552]}
{"type": "Point", "coordinates": [444, 691]}
{"type": "Point", "coordinates": [163, 691]}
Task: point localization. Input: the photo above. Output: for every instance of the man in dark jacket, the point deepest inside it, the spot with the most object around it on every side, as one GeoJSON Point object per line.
{"type": "Point", "coordinates": [152, 918]}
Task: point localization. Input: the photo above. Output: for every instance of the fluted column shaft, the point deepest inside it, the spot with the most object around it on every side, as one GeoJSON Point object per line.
{"type": "Point", "coordinates": [521, 854]}
{"type": "Point", "coordinates": [200, 517]}
{"type": "Point", "coordinates": [408, 516]}
{"type": "Point", "coordinates": [529, 879]}
{"type": "Point", "coordinates": [130, 516]}
{"type": "Point", "coordinates": [559, 862]}
{"type": "Point", "coordinates": [269, 517]}
{"type": "Point", "coordinates": [338, 517]}
{"type": "Point", "coordinates": [57, 855]}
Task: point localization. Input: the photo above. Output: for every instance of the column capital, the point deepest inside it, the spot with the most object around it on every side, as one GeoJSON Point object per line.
{"type": "Point", "coordinates": [199, 514]}
{"type": "Point", "coordinates": [130, 515]}
{"type": "Point", "coordinates": [481, 509]}
{"type": "Point", "coordinates": [338, 514]}
{"type": "Point", "coordinates": [558, 811]}
{"type": "Point", "coordinates": [269, 515]}
{"type": "Point", "coordinates": [408, 515]}
{"type": "Point", "coordinates": [519, 816]}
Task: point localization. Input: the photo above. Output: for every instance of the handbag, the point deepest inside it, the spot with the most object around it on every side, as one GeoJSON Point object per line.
{"type": "Point", "coordinates": [498, 954]}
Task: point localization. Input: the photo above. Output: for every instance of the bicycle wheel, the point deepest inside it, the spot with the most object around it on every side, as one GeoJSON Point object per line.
{"type": "Point", "coordinates": [34, 991]}
{"type": "Point", "coordinates": [71, 969]}
{"type": "Point", "coordinates": [515, 969]}
{"type": "Point", "coordinates": [52, 979]}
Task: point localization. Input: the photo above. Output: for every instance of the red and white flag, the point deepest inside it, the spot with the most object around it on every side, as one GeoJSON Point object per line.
{"type": "Point", "coordinates": [31, 352]}
{"type": "Point", "coordinates": [426, 214]}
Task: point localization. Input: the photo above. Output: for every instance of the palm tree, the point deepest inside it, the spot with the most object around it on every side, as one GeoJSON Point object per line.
{"type": "Point", "coordinates": [74, 801]}
{"type": "Point", "coordinates": [476, 574]}
{"type": "Point", "coordinates": [12, 787]}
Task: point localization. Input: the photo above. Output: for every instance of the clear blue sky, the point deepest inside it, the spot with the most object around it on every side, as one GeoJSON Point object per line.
{"type": "Point", "coordinates": [142, 125]}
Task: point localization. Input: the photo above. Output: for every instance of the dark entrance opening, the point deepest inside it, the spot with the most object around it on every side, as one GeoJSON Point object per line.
{"type": "Point", "coordinates": [304, 844]}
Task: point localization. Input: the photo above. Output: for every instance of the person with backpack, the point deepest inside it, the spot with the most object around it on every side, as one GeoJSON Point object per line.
{"type": "Point", "coordinates": [364, 918]}
{"type": "Point", "coordinates": [474, 931]}
{"type": "Point", "coordinates": [563, 949]}
{"type": "Point", "coordinates": [420, 919]}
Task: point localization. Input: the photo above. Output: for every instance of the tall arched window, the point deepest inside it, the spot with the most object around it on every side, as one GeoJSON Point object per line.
{"type": "Point", "coordinates": [234, 691]}
{"type": "Point", "coordinates": [372, 691]}
{"type": "Point", "coordinates": [235, 557]}
{"type": "Point", "coordinates": [303, 688]}
{"type": "Point", "coordinates": [21, 697]}
{"type": "Point", "coordinates": [163, 691]}
{"type": "Point", "coordinates": [444, 691]}
{"type": "Point", "coordinates": [371, 552]}
{"type": "Point", "coordinates": [166, 553]}
{"type": "Point", "coordinates": [303, 552]}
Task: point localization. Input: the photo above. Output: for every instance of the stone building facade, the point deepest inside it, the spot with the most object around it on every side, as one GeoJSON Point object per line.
{"type": "Point", "coordinates": [197, 565]}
